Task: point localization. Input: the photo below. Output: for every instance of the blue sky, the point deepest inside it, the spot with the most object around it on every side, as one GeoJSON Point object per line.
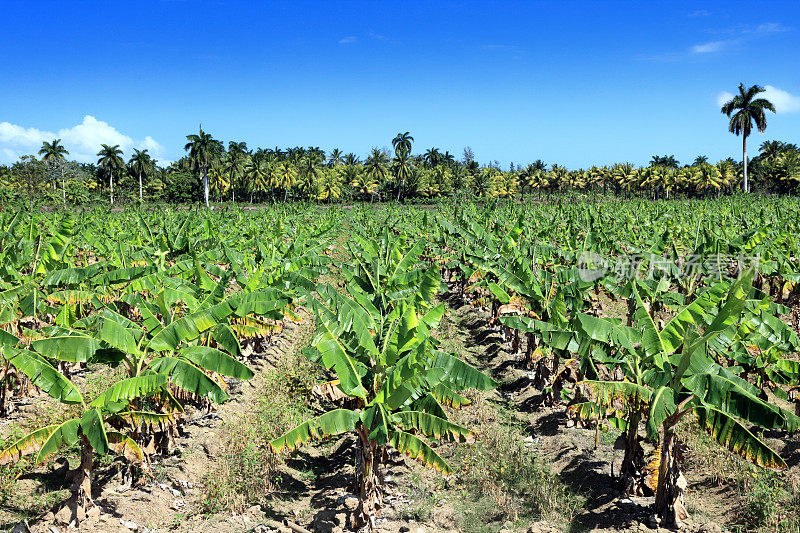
{"type": "Point", "coordinates": [577, 83]}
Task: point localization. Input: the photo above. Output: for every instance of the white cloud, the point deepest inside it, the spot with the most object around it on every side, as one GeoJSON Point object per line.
{"type": "Point", "coordinates": [723, 98]}
{"type": "Point", "coordinates": [151, 145]}
{"type": "Point", "coordinates": [19, 136]}
{"type": "Point", "coordinates": [707, 48]}
{"type": "Point", "coordinates": [348, 40]}
{"type": "Point", "coordinates": [782, 100]}
{"type": "Point", "coordinates": [82, 141]}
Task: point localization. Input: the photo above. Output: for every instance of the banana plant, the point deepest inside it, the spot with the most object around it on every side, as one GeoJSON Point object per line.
{"type": "Point", "coordinates": [90, 427]}
{"type": "Point", "coordinates": [377, 339]}
{"type": "Point", "coordinates": [160, 355]}
{"type": "Point", "coordinates": [174, 338]}
{"type": "Point", "coordinates": [670, 375]}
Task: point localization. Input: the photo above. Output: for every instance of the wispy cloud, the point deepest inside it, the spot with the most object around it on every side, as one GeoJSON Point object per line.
{"type": "Point", "coordinates": [350, 39]}
{"type": "Point", "coordinates": [711, 47]}
{"type": "Point", "coordinates": [739, 36]}
{"type": "Point", "coordinates": [771, 27]}
{"type": "Point", "coordinates": [700, 13]}
{"type": "Point", "coordinates": [82, 140]}
{"type": "Point", "coordinates": [784, 101]}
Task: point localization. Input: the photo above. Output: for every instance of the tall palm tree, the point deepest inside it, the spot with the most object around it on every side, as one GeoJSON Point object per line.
{"type": "Point", "coordinates": [203, 150]}
{"type": "Point", "coordinates": [402, 170]}
{"type": "Point", "coordinates": [402, 166]}
{"type": "Point", "coordinates": [744, 109]}
{"type": "Point", "coordinates": [402, 143]}
{"type": "Point", "coordinates": [53, 153]}
{"type": "Point", "coordinates": [141, 164]}
{"type": "Point", "coordinates": [110, 160]}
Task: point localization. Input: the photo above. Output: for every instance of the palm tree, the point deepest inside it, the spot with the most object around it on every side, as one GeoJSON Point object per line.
{"type": "Point", "coordinates": [402, 165]}
{"type": "Point", "coordinates": [402, 170]}
{"type": "Point", "coordinates": [234, 166]}
{"type": "Point", "coordinates": [744, 109]}
{"type": "Point", "coordinates": [330, 186]}
{"type": "Point", "coordinates": [257, 172]}
{"type": "Point", "coordinates": [285, 178]}
{"type": "Point", "coordinates": [311, 168]}
{"type": "Point", "coordinates": [432, 156]}
{"type": "Point", "coordinates": [335, 158]}
{"type": "Point", "coordinates": [700, 160]}
{"type": "Point", "coordinates": [360, 181]}
{"type": "Point", "coordinates": [624, 175]}
{"type": "Point", "coordinates": [769, 150]}
{"type": "Point", "coordinates": [708, 178]}
{"type": "Point", "coordinates": [217, 181]}
{"type": "Point", "coordinates": [402, 143]}
{"type": "Point", "coordinates": [203, 149]}
{"type": "Point", "coordinates": [111, 161]}
{"type": "Point", "coordinates": [728, 170]}
{"type": "Point", "coordinates": [449, 159]}
{"type": "Point", "coordinates": [141, 164]}
{"type": "Point", "coordinates": [376, 165]}
{"type": "Point", "coordinates": [53, 153]}
{"type": "Point", "coordinates": [668, 161]}
{"type": "Point", "coordinates": [237, 148]}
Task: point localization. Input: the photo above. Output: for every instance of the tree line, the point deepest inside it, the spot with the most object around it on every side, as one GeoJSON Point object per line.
{"type": "Point", "coordinates": [210, 171]}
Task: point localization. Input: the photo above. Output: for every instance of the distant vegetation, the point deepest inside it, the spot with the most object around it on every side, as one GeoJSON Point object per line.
{"type": "Point", "coordinates": [210, 172]}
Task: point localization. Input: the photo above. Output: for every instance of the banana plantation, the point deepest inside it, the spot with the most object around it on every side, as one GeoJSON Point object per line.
{"type": "Point", "coordinates": [525, 362]}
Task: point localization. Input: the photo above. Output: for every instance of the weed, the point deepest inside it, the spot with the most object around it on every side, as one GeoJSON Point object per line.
{"type": "Point", "coordinates": [502, 480]}
{"type": "Point", "coordinates": [772, 503]}
{"type": "Point", "coordinates": [247, 469]}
